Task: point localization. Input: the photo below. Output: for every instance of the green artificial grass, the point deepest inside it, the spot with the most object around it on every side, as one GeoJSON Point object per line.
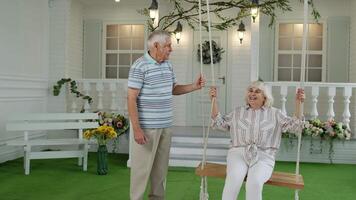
{"type": "Point", "coordinates": [62, 179]}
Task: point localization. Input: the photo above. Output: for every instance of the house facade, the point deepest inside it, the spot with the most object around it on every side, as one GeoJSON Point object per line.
{"type": "Point", "coordinates": [95, 41]}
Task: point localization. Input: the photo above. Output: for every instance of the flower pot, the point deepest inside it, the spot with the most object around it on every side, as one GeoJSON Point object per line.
{"type": "Point", "coordinates": [102, 162]}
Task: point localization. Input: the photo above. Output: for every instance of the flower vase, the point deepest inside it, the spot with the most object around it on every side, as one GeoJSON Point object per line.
{"type": "Point", "coordinates": [102, 162]}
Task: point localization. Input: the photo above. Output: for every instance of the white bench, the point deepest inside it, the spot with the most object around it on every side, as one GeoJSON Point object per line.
{"type": "Point", "coordinates": [52, 121]}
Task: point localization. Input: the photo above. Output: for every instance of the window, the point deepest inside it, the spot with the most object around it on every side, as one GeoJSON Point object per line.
{"type": "Point", "coordinates": [123, 44]}
{"type": "Point", "coordinates": [288, 58]}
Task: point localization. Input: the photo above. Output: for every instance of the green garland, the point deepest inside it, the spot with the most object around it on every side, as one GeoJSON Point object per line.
{"type": "Point", "coordinates": [217, 51]}
{"type": "Point", "coordinates": [73, 89]}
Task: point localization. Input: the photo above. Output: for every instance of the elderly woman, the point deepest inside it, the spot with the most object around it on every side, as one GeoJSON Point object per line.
{"type": "Point", "coordinates": [255, 130]}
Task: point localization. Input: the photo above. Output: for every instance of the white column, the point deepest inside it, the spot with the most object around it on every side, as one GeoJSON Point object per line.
{"type": "Point", "coordinates": [331, 94]}
{"type": "Point", "coordinates": [346, 115]}
{"type": "Point", "coordinates": [315, 93]}
{"type": "Point", "coordinates": [255, 47]}
{"type": "Point", "coordinates": [284, 92]}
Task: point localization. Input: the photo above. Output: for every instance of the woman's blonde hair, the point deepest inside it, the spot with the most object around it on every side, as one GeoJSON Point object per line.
{"type": "Point", "coordinates": [265, 91]}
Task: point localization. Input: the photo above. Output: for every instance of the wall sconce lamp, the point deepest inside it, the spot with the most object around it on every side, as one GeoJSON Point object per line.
{"type": "Point", "coordinates": [241, 31]}
{"type": "Point", "coordinates": [153, 9]}
{"type": "Point", "coordinates": [178, 31]}
{"type": "Point", "coordinates": [254, 10]}
{"type": "Point", "coordinates": [117, 0]}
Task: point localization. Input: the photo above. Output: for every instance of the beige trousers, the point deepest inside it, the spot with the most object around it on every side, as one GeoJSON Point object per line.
{"type": "Point", "coordinates": [150, 161]}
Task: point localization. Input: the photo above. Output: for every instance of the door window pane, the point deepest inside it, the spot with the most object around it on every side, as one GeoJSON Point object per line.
{"type": "Point", "coordinates": [314, 75]}
{"type": "Point", "coordinates": [138, 30]}
{"type": "Point", "coordinates": [298, 42]}
{"type": "Point", "coordinates": [125, 30]}
{"type": "Point", "coordinates": [315, 61]}
{"type": "Point", "coordinates": [315, 30]}
{"type": "Point", "coordinates": [284, 74]}
{"type": "Point", "coordinates": [285, 29]}
{"type": "Point", "coordinates": [138, 44]}
{"type": "Point", "coordinates": [111, 30]}
{"type": "Point", "coordinates": [124, 72]}
{"type": "Point", "coordinates": [111, 59]}
{"type": "Point", "coordinates": [125, 44]}
{"type": "Point", "coordinates": [124, 59]}
{"type": "Point", "coordinates": [285, 44]}
{"type": "Point", "coordinates": [315, 44]}
{"type": "Point", "coordinates": [111, 72]}
{"type": "Point", "coordinates": [111, 44]}
{"type": "Point", "coordinates": [297, 60]}
{"type": "Point", "coordinates": [298, 30]}
{"type": "Point", "coordinates": [284, 60]}
{"type": "Point", "coordinates": [296, 74]}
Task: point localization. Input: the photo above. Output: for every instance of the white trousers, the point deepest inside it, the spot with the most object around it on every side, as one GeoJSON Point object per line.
{"type": "Point", "coordinates": [237, 169]}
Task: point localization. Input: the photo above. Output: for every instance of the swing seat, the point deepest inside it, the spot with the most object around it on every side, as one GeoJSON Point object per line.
{"type": "Point", "coordinates": [281, 179]}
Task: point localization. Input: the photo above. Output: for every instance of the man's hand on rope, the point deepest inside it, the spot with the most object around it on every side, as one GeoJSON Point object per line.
{"type": "Point", "coordinates": [199, 82]}
{"type": "Point", "coordinates": [213, 92]}
{"type": "Point", "coordinates": [140, 137]}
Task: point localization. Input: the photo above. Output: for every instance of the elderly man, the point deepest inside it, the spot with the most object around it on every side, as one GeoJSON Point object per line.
{"type": "Point", "coordinates": [150, 104]}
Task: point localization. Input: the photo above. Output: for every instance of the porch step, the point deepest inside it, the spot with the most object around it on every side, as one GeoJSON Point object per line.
{"type": "Point", "coordinates": [193, 160]}
{"type": "Point", "coordinates": [187, 147]}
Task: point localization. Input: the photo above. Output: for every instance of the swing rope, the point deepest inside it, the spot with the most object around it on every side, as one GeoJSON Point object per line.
{"type": "Point", "coordinates": [301, 85]}
{"type": "Point", "coordinates": [204, 185]}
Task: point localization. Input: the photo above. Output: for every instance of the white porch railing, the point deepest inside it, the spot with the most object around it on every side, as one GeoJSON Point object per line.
{"type": "Point", "coordinates": [108, 95]}
{"type": "Point", "coordinates": [323, 100]}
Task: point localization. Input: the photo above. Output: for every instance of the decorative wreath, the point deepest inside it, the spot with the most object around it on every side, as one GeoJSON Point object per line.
{"type": "Point", "coordinates": [217, 51]}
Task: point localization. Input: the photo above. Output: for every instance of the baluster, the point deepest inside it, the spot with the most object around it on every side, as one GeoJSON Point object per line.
{"type": "Point", "coordinates": [124, 100]}
{"type": "Point", "coordinates": [99, 89]}
{"type": "Point", "coordinates": [315, 93]}
{"type": "Point", "coordinates": [346, 115]}
{"type": "Point", "coordinates": [86, 89]}
{"type": "Point", "coordinates": [74, 104]}
{"type": "Point", "coordinates": [283, 92]}
{"type": "Point", "coordinates": [331, 94]}
{"type": "Point", "coordinates": [113, 90]}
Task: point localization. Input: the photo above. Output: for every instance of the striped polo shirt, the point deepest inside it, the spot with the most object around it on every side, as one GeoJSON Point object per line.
{"type": "Point", "coordinates": [155, 100]}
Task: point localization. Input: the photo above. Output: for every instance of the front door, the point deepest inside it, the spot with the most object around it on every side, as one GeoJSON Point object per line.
{"type": "Point", "coordinates": [198, 102]}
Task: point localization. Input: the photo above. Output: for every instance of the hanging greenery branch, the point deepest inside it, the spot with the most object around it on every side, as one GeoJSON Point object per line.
{"type": "Point", "coordinates": [188, 11]}
{"type": "Point", "coordinates": [73, 89]}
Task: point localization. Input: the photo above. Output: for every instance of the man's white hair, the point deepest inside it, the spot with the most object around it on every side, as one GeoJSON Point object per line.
{"type": "Point", "coordinates": [265, 91]}
{"type": "Point", "coordinates": [159, 36]}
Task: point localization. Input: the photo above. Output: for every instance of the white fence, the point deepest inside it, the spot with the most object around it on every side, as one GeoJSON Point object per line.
{"type": "Point", "coordinates": [323, 100]}
{"type": "Point", "coordinates": [108, 95]}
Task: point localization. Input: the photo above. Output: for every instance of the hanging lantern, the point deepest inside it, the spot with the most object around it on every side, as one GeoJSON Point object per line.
{"type": "Point", "coordinates": [241, 31]}
{"type": "Point", "coordinates": [254, 10]}
{"type": "Point", "coordinates": [178, 31]}
{"type": "Point", "coordinates": [153, 9]}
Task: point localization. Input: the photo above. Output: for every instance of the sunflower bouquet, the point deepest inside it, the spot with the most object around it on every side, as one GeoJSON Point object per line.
{"type": "Point", "coordinates": [102, 134]}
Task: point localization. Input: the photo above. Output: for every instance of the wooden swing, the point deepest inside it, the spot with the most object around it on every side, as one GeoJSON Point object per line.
{"type": "Point", "coordinates": [282, 179]}
{"type": "Point", "coordinates": [290, 180]}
